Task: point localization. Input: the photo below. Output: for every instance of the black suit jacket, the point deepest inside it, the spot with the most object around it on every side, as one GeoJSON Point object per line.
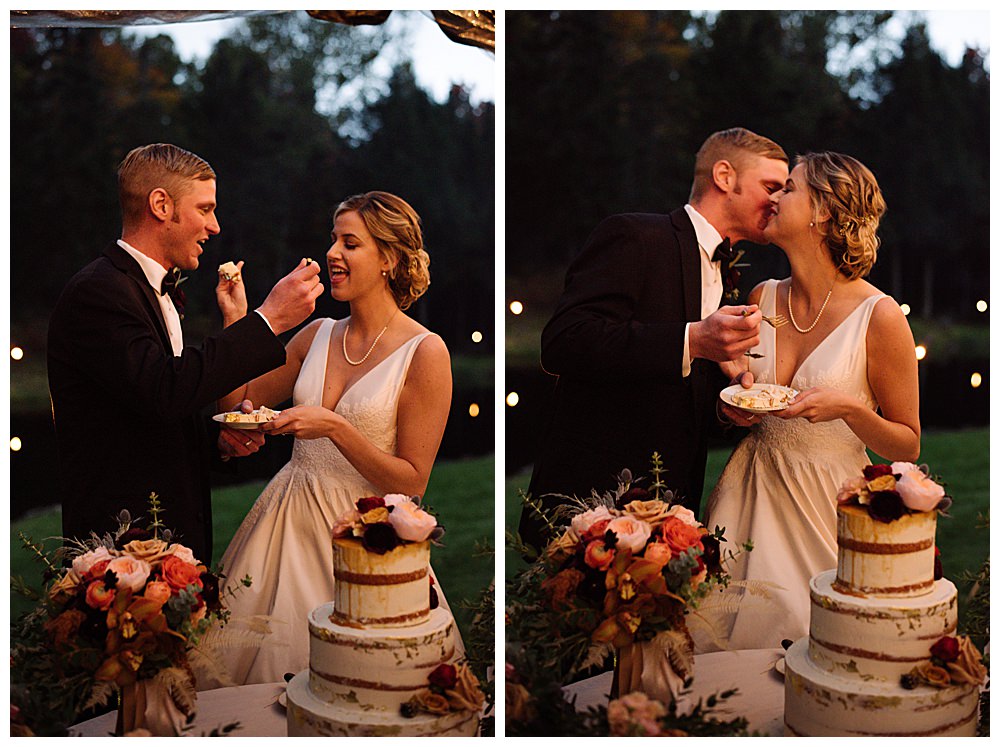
{"type": "Point", "coordinates": [128, 414]}
{"type": "Point", "coordinates": [616, 343]}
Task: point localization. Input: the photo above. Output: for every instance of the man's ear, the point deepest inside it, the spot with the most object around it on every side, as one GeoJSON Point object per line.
{"type": "Point", "coordinates": [724, 175]}
{"type": "Point", "coordinates": [161, 205]}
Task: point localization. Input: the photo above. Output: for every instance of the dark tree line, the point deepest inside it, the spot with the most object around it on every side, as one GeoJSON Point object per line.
{"type": "Point", "coordinates": [605, 110]}
{"type": "Point", "coordinates": [81, 98]}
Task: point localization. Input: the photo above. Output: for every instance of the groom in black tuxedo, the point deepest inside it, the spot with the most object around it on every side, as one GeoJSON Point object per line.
{"type": "Point", "coordinates": [127, 395]}
{"type": "Point", "coordinates": [638, 329]}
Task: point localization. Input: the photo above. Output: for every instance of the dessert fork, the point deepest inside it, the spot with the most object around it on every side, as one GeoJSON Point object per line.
{"type": "Point", "coordinates": [774, 321]}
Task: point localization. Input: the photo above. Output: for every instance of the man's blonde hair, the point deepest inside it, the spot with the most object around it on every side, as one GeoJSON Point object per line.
{"type": "Point", "coordinates": [735, 145]}
{"type": "Point", "coordinates": [160, 165]}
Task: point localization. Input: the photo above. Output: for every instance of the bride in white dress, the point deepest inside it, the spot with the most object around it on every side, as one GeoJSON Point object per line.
{"type": "Point", "coordinates": [849, 351]}
{"type": "Point", "coordinates": [370, 396]}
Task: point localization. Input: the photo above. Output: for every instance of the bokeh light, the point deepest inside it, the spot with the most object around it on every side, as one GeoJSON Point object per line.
{"type": "Point", "coordinates": [921, 352]}
{"type": "Point", "coordinates": [905, 308]}
{"type": "Point", "coordinates": [477, 336]}
{"type": "Point", "coordinates": [516, 307]}
{"type": "Point", "coordinates": [976, 380]}
{"type": "Point", "coordinates": [474, 410]}
{"type": "Point", "coordinates": [981, 305]}
{"type": "Point", "coordinates": [15, 444]}
{"type": "Point", "coordinates": [16, 353]}
{"type": "Point", "coordinates": [513, 399]}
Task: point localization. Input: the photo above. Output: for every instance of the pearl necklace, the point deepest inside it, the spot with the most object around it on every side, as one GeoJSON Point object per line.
{"type": "Point", "coordinates": [821, 308]}
{"type": "Point", "coordinates": [374, 342]}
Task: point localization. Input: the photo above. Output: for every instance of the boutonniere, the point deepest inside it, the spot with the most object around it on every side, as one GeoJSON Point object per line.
{"type": "Point", "coordinates": [731, 276]}
{"type": "Point", "coordinates": [171, 286]}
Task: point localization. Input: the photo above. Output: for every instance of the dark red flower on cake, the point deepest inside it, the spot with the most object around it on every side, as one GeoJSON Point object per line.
{"type": "Point", "coordinates": [877, 470]}
{"type": "Point", "coordinates": [945, 649]}
{"type": "Point", "coordinates": [886, 506]}
{"type": "Point", "coordinates": [367, 504]}
{"type": "Point", "coordinates": [938, 569]}
{"type": "Point", "coordinates": [379, 538]}
{"type": "Point", "coordinates": [632, 494]}
{"type": "Point", "coordinates": [445, 677]}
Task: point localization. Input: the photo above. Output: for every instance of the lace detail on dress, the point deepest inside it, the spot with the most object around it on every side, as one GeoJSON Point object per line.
{"type": "Point", "coordinates": [801, 441]}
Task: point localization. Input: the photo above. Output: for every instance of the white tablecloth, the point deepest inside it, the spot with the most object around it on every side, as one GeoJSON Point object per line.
{"type": "Point", "coordinates": [254, 706]}
{"type": "Point", "coordinates": [761, 696]}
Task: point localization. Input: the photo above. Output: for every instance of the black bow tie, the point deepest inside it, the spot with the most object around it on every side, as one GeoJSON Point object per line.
{"type": "Point", "coordinates": [724, 251]}
{"type": "Point", "coordinates": [171, 287]}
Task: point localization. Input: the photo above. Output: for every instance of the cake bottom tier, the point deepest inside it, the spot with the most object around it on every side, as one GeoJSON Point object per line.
{"type": "Point", "coordinates": [821, 704]}
{"type": "Point", "coordinates": [308, 716]}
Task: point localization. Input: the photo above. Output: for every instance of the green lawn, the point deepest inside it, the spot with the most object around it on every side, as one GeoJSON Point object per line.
{"type": "Point", "coordinates": [961, 458]}
{"type": "Point", "coordinates": [460, 493]}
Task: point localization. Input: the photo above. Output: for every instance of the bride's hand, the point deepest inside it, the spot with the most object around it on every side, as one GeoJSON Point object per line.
{"type": "Point", "coordinates": [231, 295]}
{"type": "Point", "coordinates": [735, 415]}
{"type": "Point", "coordinates": [819, 405]}
{"type": "Point", "coordinates": [302, 422]}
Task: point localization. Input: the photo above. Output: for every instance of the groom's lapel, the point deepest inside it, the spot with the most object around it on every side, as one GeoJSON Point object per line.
{"type": "Point", "coordinates": [690, 264]}
{"type": "Point", "coordinates": [127, 264]}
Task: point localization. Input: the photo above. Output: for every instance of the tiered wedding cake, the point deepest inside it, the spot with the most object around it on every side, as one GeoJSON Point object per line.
{"type": "Point", "coordinates": [373, 649]}
{"type": "Point", "coordinates": [873, 623]}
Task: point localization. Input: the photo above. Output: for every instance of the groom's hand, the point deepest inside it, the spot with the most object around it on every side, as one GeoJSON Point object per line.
{"type": "Point", "coordinates": [293, 298]}
{"type": "Point", "coordinates": [735, 415]}
{"type": "Point", "coordinates": [239, 443]}
{"type": "Point", "coordinates": [726, 334]}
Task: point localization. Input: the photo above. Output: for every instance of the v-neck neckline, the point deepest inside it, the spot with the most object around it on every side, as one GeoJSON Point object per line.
{"type": "Point", "coordinates": [821, 343]}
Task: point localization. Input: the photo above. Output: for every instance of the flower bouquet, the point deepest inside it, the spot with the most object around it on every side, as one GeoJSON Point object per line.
{"type": "Point", "coordinates": [123, 617]}
{"type": "Point", "coordinates": [617, 581]}
{"type": "Point", "coordinates": [889, 491]}
{"type": "Point", "coordinates": [383, 523]}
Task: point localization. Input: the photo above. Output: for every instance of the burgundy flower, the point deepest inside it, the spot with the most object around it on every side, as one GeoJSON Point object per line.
{"type": "Point", "coordinates": [135, 533]}
{"type": "Point", "coordinates": [711, 554]}
{"type": "Point", "coordinates": [945, 649]}
{"type": "Point", "coordinates": [886, 506]}
{"type": "Point", "coordinates": [632, 494]}
{"type": "Point", "coordinates": [938, 569]}
{"type": "Point", "coordinates": [445, 677]}
{"type": "Point", "coordinates": [877, 470]}
{"type": "Point", "coordinates": [367, 504]}
{"type": "Point", "coordinates": [210, 590]}
{"type": "Point", "coordinates": [380, 538]}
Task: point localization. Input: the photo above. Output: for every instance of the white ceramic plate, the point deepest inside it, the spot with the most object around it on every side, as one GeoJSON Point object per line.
{"type": "Point", "coordinates": [765, 397]}
{"type": "Point", "coordinates": [221, 418]}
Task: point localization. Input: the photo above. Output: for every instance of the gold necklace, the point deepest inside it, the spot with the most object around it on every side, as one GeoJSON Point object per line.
{"type": "Point", "coordinates": [374, 342]}
{"type": "Point", "coordinates": [821, 308]}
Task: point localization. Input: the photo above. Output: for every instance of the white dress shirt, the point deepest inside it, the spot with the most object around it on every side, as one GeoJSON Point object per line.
{"type": "Point", "coordinates": [711, 275]}
{"type": "Point", "coordinates": [155, 273]}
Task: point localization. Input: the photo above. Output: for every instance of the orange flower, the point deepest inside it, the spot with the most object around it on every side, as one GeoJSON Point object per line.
{"type": "Point", "coordinates": [679, 536]}
{"type": "Point", "coordinates": [158, 592]}
{"type": "Point", "coordinates": [598, 555]}
{"type": "Point", "coordinates": [180, 574]}
{"type": "Point", "coordinates": [658, 553]}
{"type": "Point", "coordinates": [99, 596]}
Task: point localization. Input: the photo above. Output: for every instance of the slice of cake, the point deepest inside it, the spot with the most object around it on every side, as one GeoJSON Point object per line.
{"type": "Point", "coordinates": [229, 271]}
{"type": "Point", "coordinates": [261, 415]}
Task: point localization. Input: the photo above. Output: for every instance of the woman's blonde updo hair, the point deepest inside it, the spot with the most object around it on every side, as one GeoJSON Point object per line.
{"type": "Point", "coordinates": [395, 226]}
{"type": "Point", "coordinates": [847, 190]}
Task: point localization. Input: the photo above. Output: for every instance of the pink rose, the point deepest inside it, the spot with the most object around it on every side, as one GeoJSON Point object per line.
{"type": "Point", "coordinates": [901, 468]}
{"type": "Point", "coordinates": [82, 564]}
{"type": "Point", "coordinates": [632, 533]}
{"type": "Point", "coordinates": [852, 487]}
{"type": "Point", "coordinates": [586, 524]}
{"type": "Point", "coordinates": [598, 555]}
{"type": "Point", "coordinates": [684, 514]}
{"type": "Point", "coordinates": [918, 491]}
{"type": "Point", "coordinates": [345, 523]}
{"type": "Point", "coordinates": [182, 552]}
{"type": "Point", "coordinates": [394, 499]}
{"type": "Point", "coordinates": [131, 572]}
{"type": "Point", "coordinates": [658, 553]}
{"type": "Point", "coordinates": [411, 522]}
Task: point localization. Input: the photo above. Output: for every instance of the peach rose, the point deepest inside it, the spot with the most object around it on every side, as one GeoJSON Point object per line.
{"type": "Point", "coordinates": [344, 523]}
{"type": "Point", "coordinates": [182, 552]}
{"type": "Point", "coordinates": [883, 482]}
{"type": "Point", "coordinates": [680, 536]}
{"type": "Point", "coordinates": [934, 675]}
{"type": "Point", "coordinates": [158, 591]}
{"type": "Point", "coordinates": [378, 515]}
{"type": "Point", "coordinates": [684, 514]}
{"type": "Point", "coordinates": [918, 491]}
{"type": "Point", "coordinates": [853, 486]}
{"type": "Point", "coordinates": [66, 587]}
{"type": "Point", "coordinates": [562, 547]}
{"type": "Point", "coordinates": [131, 572]}
{"type": "Point", "coordinates": [99, 596]}
{"type": "Point", "coordinates": [84, 564]}
{"type": "Point", "coordinates": [968, 667]}
{"type": "Point", "coordinates": [658, 553]}
{"type": "Point", "coordinates": [632, 533]}
{"type": "Point", "coordinates": [598, 555]}
{"type": "Point", "coordinates": [180, 574]}
{"type": "Point", "coordinates": [432, 702]}
{"type": "Point", "coordinates": [150, 550]}
{"type": "Point", "coordinates": [652, 512]}
{"type": "Point", "coordinates": [589, 523]}
{"type": "Point", "coordinates": [411, 522]}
